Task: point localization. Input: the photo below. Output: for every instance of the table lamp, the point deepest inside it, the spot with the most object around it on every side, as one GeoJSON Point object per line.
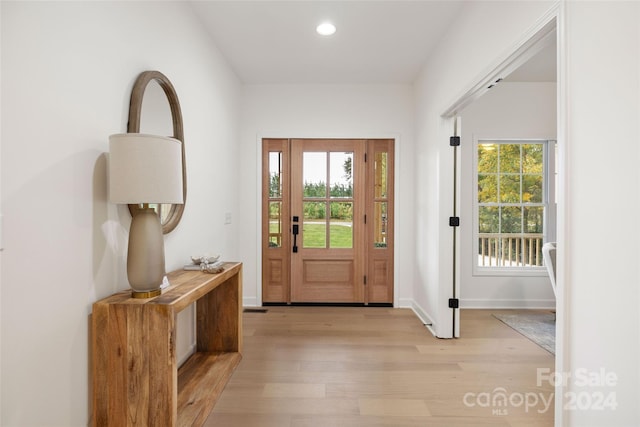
{"type": "Point", "coordinates": [145, 169]}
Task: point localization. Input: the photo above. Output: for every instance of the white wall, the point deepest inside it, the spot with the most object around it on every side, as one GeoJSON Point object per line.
{"type": "Point", "coordinates": [601, 275]}
{"type": "Point", "coordinates": [327, 111]}
{"type": "Point", "coordinates": [67, 73]}
{"type": "Point", "coordinates": [509, 110]}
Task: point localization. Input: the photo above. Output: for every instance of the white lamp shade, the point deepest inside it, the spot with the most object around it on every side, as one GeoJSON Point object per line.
{"type": "Point", "coordinates": [145, 169]}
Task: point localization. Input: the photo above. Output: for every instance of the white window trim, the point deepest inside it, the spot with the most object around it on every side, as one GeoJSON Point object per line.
{"type": "Point", "coordinates": [549, 227]}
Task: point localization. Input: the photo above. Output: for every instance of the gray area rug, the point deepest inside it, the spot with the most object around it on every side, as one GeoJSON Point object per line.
{"type": "Point", "coordinates": [539, 327]}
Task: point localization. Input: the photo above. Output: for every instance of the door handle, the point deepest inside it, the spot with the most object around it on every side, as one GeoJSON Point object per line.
{"type": "Point", "coordinates": [295, 232]}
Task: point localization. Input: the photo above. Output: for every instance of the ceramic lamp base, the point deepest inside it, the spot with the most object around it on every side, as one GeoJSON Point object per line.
{"type": "Point", "coordinates": [145, 260]}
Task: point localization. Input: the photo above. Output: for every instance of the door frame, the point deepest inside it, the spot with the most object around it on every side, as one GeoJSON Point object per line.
{"type": "Point", "coordinates": [398, 302]}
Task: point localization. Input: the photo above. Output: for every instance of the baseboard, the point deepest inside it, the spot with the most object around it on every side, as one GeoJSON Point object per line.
{"type": "Point", "coordinates": [423, 316]}
{"type": "Point", "coordinates": [505, 304]}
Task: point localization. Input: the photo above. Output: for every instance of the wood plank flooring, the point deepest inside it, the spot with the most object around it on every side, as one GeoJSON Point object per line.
{"type": "Point", "coordinates": [373, 367]}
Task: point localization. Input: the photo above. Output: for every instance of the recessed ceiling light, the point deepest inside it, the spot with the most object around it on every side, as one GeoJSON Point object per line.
{"type": "Point", "coordinates": [326, 29]}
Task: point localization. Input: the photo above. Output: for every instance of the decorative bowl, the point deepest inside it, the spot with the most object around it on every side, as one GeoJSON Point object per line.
{"type": "Point", "coordinates": [197, 260]}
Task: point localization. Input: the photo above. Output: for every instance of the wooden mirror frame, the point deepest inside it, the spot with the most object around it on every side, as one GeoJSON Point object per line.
{"type": "Point", "coordinates": [135, 111]}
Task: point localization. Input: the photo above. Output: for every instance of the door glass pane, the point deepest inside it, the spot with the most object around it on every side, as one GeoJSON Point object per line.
{"type": "Point", "coordinates": [341, 176]}
{"type": "Point", "coordinates": [341, 225]}
{"type": "Point", "coordinates": [275, 174]}
{"type": "Point", "coordinates": [380, 225]}
{"type": "Point", "coordinates": [275, 224]}
{"type": "Point", "coordinates": [380, 179]}
{"type": "Point", "coordinates": [314, 171]}
{"type": "Point", "coordinates": [314, 226]}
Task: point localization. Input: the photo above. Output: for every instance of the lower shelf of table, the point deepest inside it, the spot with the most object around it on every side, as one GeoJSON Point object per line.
{"type": "Point", "coordinates": [201, 380]}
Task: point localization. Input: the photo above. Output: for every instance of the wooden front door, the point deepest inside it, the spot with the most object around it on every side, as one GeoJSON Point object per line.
{"type": "Point", "coordinates": [327, 206]}
{"type": "Point", "coordinates": [327, 221]}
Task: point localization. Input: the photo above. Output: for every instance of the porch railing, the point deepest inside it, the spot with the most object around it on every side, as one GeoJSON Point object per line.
{"type": "Point", "coordinates": [510, 250]}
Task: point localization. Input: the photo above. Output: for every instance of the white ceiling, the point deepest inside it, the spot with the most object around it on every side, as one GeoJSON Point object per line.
{"type": "Point", "coordinates": [377, 42]}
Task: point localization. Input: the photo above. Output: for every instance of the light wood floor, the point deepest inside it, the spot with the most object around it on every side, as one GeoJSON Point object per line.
{"type": "Point", "coordinates": [370, 367]}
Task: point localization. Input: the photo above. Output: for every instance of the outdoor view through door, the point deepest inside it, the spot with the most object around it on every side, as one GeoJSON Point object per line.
{"type": "Point", "coordinates": [327, 221]}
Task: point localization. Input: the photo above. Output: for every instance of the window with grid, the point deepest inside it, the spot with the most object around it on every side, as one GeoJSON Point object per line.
{"type": "Point", "coordinates": [511, 204]}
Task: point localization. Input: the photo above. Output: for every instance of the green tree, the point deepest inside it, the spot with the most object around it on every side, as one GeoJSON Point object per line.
{"type": "Point", "coordinates": [315, 189]}
{"type": "Point", "coordinates": [348, 165]}
{"type": "Point", "coordinates": [510, 174]}
{"type": "Point", "coordinates": [275, 188]}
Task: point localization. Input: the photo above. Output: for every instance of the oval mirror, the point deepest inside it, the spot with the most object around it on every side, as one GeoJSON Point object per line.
{"type": "Point", "coordinates": [155, 107]}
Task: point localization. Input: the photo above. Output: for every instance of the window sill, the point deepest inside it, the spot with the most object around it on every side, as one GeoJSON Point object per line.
{"type": "Point", "coordinates": [510, 272]}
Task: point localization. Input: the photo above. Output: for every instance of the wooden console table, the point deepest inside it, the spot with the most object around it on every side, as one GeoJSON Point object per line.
{"type": "Point", "coordinates": [136, 381]}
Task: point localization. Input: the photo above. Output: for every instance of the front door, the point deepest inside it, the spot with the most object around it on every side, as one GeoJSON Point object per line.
{"type": "Point", "coordinates": [318, 246]}
{"type": "Point", "coordinates": [327, 195]}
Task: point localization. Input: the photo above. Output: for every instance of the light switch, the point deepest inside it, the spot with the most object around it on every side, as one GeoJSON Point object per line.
{"type": "Point", "coordinates": [227, 218]}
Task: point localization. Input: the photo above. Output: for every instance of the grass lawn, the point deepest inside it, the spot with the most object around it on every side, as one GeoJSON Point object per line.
{"type": "Point", "coordinates": [341, 236]}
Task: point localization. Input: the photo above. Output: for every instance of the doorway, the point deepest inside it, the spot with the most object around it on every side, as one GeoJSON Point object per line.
{"type": "Point", "coordinates": [327, 221]}
{"type": "Point", "coordinates": [490, 111]}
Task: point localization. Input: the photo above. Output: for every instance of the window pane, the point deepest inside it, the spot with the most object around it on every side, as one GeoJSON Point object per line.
{"type": "Point", "coordinates": [314, 226]}
{"type": "Point", "coordinates": [489, 219]}
{"type": "Point", "coordinates": [511, 179]}
{"type": "Point", "coordinates": [380, 225]}
{"type": "Point", "coordinates": [275, 174]}
{"type": "Point", "coordinates": [275, 224]}
{"type": "Point", "coordinates": [509, 188]}
{"type": "Point", "coordinates": [532, 155]}
{"type": "Point", "coordinates": [341, 179]}
{"type": "Point", "coordinates": [532, 188]}
{"type": "Point", "coordinates": [511, 219]}
{"type": "Point", "coordinates": [533, 219]}
{"type": "Point", "coordinates": [341, 225]}
{"type": "Point", "coordinates": [314, 170]}
{"type": "Point", "coordinates": [487, 158]}
{"type": "Point", "coordinates": [380, 175]}
{"type": "Point", "coordinates": [510, 158]}
{"type": "Point", "coordinates": [488, 188]}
